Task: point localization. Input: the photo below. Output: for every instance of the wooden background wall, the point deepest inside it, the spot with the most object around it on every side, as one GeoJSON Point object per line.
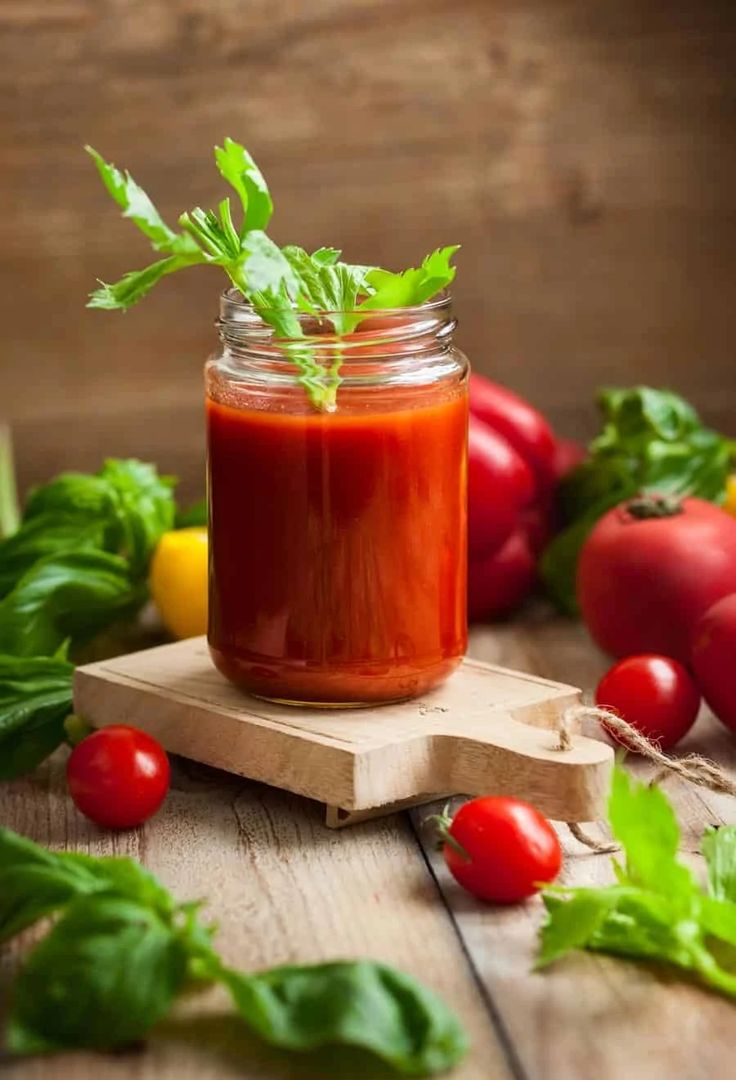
{"type": "Point", "coordinates": [582, 151]}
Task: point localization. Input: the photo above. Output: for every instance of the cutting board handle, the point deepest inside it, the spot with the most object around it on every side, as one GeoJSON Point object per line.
{"type": "Point", "coordinates": [509, 757]}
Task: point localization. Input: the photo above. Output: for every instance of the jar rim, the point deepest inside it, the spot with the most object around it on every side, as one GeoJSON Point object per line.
{"type": "Point", "coordinates": [235, 308]}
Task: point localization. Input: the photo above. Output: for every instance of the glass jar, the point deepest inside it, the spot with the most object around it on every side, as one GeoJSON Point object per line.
{"type": "Point", "coordinates": [338, 538]}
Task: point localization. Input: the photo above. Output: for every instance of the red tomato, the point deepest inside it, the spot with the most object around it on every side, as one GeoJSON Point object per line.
{"type": "Point", "coordinates": [643, 582]}
{"type": "Point", "coordinates": [540, 525]}
{"type": "Point", "coordinates": [500, 483]}
{"type": "Point", "coordinates": [497, 583]}
{"type": "Point", "coordinates": [568, 455]}
{"type": "Point", "coordinates": [509, 849]}
{"type": "Point", "coordinates": [520, 423]}
{"type": "Point", "coordinates": [118, 776]}
{"type": "Point", "coordinates": [714, 659]}
{"type": "Point", "coordinates": [654, 694]}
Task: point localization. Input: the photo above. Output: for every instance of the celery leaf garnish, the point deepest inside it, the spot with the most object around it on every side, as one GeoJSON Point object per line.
{"type": "Point", "coordinates": [411, 287]}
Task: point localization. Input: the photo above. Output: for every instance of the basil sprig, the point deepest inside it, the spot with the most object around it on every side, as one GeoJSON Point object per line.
{"type": "Point", "coordinates": [121, 951]}
{"type": "Point", "coordinates": [77, 563]}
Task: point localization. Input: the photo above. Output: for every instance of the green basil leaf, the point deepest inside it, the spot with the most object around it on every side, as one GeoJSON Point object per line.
{"type": "Point", "coordinates": [719, 849]}
{"type": "Point", "coordinates": [37, 882]}
{"type": "Point", "coordinates": [144, 508]}
{"type": "Point", "coordinates": [78, 494]}
{"type": "Point", "coordinates": [35, 698]}
{"type": "Point", "coordinates": [70, 595]}
{"type": "Point", "coordinates": [351, 1003]}
{"type": "Point", "coordinates": [102, 977]}
{"type": "Point", "coordinates": [46, 534]}
{"type": "Point", "coordinates": [239, 169]}
{"type": "Point", "coordinates": [127, 506]}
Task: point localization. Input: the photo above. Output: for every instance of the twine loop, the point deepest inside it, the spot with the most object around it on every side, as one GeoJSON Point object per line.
{"type": "Point", "coordinates": [693, 768]}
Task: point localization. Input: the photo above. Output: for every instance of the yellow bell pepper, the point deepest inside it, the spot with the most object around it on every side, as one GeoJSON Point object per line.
{"type": "Point", "coordinates": [730, 503]}
{"type": "Point", "coordinates": [178, 581]}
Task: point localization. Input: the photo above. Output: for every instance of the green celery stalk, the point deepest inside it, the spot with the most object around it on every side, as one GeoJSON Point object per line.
{"type": "Point", "coordinates": [9, 508]}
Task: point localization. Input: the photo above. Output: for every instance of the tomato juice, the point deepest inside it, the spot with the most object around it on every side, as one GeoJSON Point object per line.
{"type": "Point", "coordinates": [337, 540]}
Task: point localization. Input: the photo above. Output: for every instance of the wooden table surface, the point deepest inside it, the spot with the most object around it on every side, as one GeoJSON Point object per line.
{"type": "Point", "coordinates": [284, 888]}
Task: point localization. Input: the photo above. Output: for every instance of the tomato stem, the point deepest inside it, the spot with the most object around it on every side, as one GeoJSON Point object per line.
{"type": "Point", "coordinates": [654, 506]}
{"type": "Point", "coordinates": [76, 729]}
{"type": "Point", "coordinates": [443, 823]}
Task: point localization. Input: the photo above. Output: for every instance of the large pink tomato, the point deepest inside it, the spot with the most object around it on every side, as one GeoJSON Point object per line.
{"type": "Point", "coordinates": [648, 571]}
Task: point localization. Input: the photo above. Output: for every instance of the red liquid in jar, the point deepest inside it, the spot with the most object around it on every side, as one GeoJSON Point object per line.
{"type": "Point", "coordinates": [338, 546]}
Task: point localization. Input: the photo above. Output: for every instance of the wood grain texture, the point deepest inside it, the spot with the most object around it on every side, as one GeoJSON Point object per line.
{"type": "Point", "coordinates": [283, 888]}
{"type": "Point", "coordinates": [486, 729]}
{"type": "Point", "coordinates": [592, 1015]}
{"type": "Point", "coordinates": [584, 155]}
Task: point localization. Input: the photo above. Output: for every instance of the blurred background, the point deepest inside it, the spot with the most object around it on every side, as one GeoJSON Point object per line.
{"type": "Point", "coordinates": [582, 153]}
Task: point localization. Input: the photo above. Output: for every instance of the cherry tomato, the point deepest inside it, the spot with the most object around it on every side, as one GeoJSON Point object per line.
{"type": "Point", "coordinates": [500, 484]}
{"type": "Point", "coordinates": [644, 581]}
{"type": "Point", "coordinates": [508, 848]}
{"type": "Point", "coordinates": [714, 659]}
{"type": "Point", "coordinates": [520, 423]}
{"type": "Point", "coordinates": [118, 776]}
{"type": "Point", "coordinates": [499, 582]}
{"type": "Point", "coordinates": [654, 694]}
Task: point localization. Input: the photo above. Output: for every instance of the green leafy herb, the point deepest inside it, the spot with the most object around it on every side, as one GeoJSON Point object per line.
{"type": "Point", "coordinates": [350, 1003]}
{"type": "Point", "coordinates": [239, 169]}
{"type": "Point", "coordinates": [69, 596]}
{"type": "Point", "coordinates": [719, 848]}
{"type": "Point", "coordinates": [652, 442]}
{"type": "Point", "coordinates": [280, 284]}
{"type": "Point", "coordinates": [35, 697]}
{"type": "Point", "coordinates": [656, 910]}
{"type": "Point", "coordinates": [123, 509]}
{"type": "Point", "coordinates": [136, 205]}
{"type": "Point", "coordinates": [38, 882]}
{"type": "Point", "coordinates": [196, 514]}
{"type": "Point", "coordinates": [136, 284]}
{"type": "Point", "coordinates": [329, 285]}
{"type": "Point", "coordinates": [105, 973]}
{"type": "Point", "coordinates": [122, 950]}
{"type": "Point", "coordinates": [77, 563]}
{"type": "Point", "coordinates": [411, 287]}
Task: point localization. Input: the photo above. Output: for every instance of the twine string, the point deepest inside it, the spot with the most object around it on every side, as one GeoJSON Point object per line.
{"type": "Point", "coordinates": [693, 768]}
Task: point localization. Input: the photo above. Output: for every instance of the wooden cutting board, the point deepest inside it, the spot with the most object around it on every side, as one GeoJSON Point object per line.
{"type": "Point", "coordinates": [486, 731]}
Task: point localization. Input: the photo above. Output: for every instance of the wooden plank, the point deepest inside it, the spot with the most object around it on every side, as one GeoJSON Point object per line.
{"type": "Point", "coordinates": [582, 154]}
{"type": "Point", "coordinates": [589, 1015]}
{"type": "Point", "coordinates": [283, 888]}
